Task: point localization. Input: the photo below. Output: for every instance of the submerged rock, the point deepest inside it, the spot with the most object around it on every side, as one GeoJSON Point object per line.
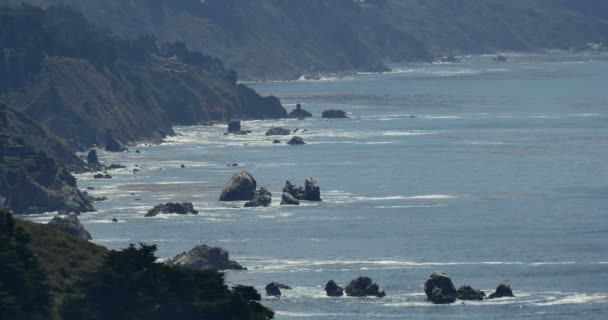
{"type": "Point", "coordinates": [439, 288]}
{"type": "Point", "coordinates": [299, 113]}
{"type": "Point", "coordinates": [170, 207]}
{"type": "Point", "coordinates": [503, 290]}
{"type": "Point", "coordinates": [333, 289]}
{"type": "Point", "coordinates": [261, 198]}
{"type": "Point", "coordinates": [363, 287]}
{"type": "Point", "coordinates": [278, 131]}
{"type": "Point", "coordinates": [466, 292]}
{"type": "Point", "coordinates": [296, 141]}
{"type": "Point", "coordinates": [70, 224]}
{"type": "Point", "coordinates": [203, 257]}
{"type": "Point", "coordinates": [240, 187]}
{"type": "Point", "coordinates": [288, 199]}
{"type": "Point", "coordinates": [334, 114]}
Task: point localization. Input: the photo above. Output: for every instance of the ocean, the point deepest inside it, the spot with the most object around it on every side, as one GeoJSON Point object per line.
{"type": "Point", "coordinates": [493, 172]}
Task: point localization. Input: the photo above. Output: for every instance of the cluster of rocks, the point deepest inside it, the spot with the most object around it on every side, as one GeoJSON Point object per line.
{"type": "Point", "coordinates": [172, 208]}
{"type": "Point", "coordinates": [203, 257]}
{"type": "Point", "coordinates": [70, 224]}
{"type": "Point", "coordinates": [94, 164]}
{"type": "Point", "coordinates": [242, 186]}
{"type": "Point", "coordinates": [440, 289]}
{"type": "Point", "coordinates": [359, 287]}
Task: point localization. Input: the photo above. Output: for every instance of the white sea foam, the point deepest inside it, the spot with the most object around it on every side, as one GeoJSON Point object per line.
{"type": "Point", "coordinates": [578, 298]}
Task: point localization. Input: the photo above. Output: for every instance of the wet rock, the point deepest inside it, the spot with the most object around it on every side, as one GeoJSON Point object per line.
{"type": "Point", "coordinates": [234, 126]}
{"type": "Point", "coordinates": [273, 289]}
{"type": "Point", "coordinates": [439, 288]}
{"type": "Point", "coordinates": [240, 187]}
{"type": "Point", "coordinates": [113, 145]}
{"type": "Point", "coordinates": [172, 208]}
{"type": "Point", "coordinates": [116, 166]}
{"type": "Point", "coordinates": [288, 199]}
{"type": "Point", "coordinates": [182, 166]}
{"type": "Point", "coordinates": [261, 198]}
{"type": "Point", "coordinates": [276, 141]}
{"type": "Point", "coordinates": [293, 190]}
{"type": "Point", "coordinates": [299, 113]}
{"type": "Point", "coordinates": [203, 257]}
{"type": "Point", "coordinates": [363, 287]}
{"type": "Point", "coordinates": [334, 114]}
{"type": "Point", "coordinates": [102, 176]}
{"type": "Point", "coordinates": [70, 224]}
{"type": "Point", "coordinates": [114, 220]}
{"type": "Point", "coordinates": [312, 191]}
{"type": "Point", "coordinates": [468, 293]}
{"type": "Point", "coordinates": [296, 141]}
{"type": "Point", "coordinates": [93, 160]}
{"type": "Point", "coordinates": [333, 289]}
{"type": "Point", "coordinates": [503, 290]}
{"type": "Point", "coordinates": [278, 131]}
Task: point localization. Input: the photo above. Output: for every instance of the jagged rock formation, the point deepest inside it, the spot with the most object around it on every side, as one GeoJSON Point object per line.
{"type": "Point", "coordinates": [241, 187]}
{"type": "Point", "coordinates": [170, 207]}
{"type": "Point", "coordinates": [363, 287]}
{"type": "Point", "coordinates": [288, 199]}
{"type": "Point", "coordinates": [299, 113]}
{"type": "Point", "coordinates": [70, 224]}
{"type": "Point", "coordinates": [466, 292]}
{"type": "Point", "coordinates": [333, 290]}
{"type": "Point", "coordinates": [310, 192]}
{"type": "Point", "coordinates": [203, 257]}
{"type": "Point", "coordinates": [503, 290]}
{"type": "Point", "coordinates": [261, 198]}
{"type": "Point", "coordinates": [439, 288]}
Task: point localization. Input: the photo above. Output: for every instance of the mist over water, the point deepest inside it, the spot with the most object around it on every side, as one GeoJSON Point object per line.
{"type": "Point", "coordinates": [492, 172]}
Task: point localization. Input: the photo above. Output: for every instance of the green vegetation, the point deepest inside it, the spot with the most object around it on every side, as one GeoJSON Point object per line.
{"type": "Point", "coordinates": [48, 274]}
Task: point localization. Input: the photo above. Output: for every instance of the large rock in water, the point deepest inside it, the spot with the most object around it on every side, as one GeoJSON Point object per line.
{"type": "Point", "coordinates": [364, 287]}
{"type": "Point", "coordinates": [203, 257]}
{"type": "Point", "coordinates": [333, 289]}
{"type": "Point", "coordinates": [295, 141]}
{"type": "Point", "coordinates": [278, 131]}
{"type": "Point", "coordinates": [439, 288]}
{"type": "Point", "coordinates": [241, 187]}
{"type": "Point", "coordinates": [234, 126]}
{"type": "Point", "coordinates": [170, 207]}
{"type": "Point", "coordinates": [113, 145]}
{"type": "Point", "coordinates": [70, 224]}
{"type": "Point", "coordinates": [292, 189]}
{"type": "Point", "coordinates": [299, 113]}
{"type": "Point", "coordinates": [503, 290]}
{"type": "Point", "coordinates": [93, 160]}
{"type": "Point", "coordinates": [334, 114]}
{"type": "Point", "coordinates": [261, 198]}
{"type": "Point", "coordinates": [312, 191]}
{"type": "Point", "coordinates": [468, 293]}
{"type": "Point", "coordinates": [288, 199]}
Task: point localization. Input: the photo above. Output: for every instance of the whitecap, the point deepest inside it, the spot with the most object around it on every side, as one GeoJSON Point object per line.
{"type": "Point", "coordinates": [578, 298]}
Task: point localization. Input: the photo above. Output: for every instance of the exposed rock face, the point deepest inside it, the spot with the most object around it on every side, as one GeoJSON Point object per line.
{"type": "Point", "coordinates": [312, 191]}
{"type": "Point", "coordinates": [273, 289]}
{"type": "Point", "coordinates": [70, 224]}
{"type": "Point", "coordinates": [363, 287]}
{"type": "Point", "coordinates": [288, 199]}
{"type": "Point", "coordinates": [278, 131]}
{"type": "Point", "coordinates": [241, 187]}
{"type": "Point", "coordinates": [333, 290]}
{"type": "Point", "coordinates": [503, 290]}
{"type": "Point", "coordinates": [113, 145]}
{"type": "Point", "coordinates": [203, 257]}
{"type": "Point", "coordinates": [439, 288]}
{"type": "Point", "coordinates": [299, 113]}
{"type": "Point", "coordinates": [92, 159]}
{"type": "Point", "coordinates": [234, 126]}
{"type": "Point", "coordinates": [296, 141]}
{"type": "Point", "coordinates": [334, 114]}
{"type": "Point", "coordinates": [468, 293]}
{"type": "Point", "coordinates": [261, 198]}
{"type": "Point", "coordinates": [170, 207]}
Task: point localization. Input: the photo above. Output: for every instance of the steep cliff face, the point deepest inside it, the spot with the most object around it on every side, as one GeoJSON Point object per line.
{"type": "Point", "coordinates": [288, 38]}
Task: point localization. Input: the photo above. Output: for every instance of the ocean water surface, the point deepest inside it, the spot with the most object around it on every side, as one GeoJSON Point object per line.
{"type": "Point", "coordinates": [492, 172]}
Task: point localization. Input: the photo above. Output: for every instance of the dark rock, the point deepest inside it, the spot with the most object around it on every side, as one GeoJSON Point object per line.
{"type": "Point", "coordinates": [137, 151]}
{"type": "Point", "coordinates": [299, 113]}
{"type": "Point", "coordinates": [240, 187]}
{"type": "Point", "coordinates": [70, 224]}
{"type": "Point", "coordinates": [500, 58]}
{"type": "Point", "coordinates": [93, 160]}
{"type": "Point", "coordinates": [503, 290]}
{"type": "Point", "coordinates": [439, 288]}
{"type": "Point", "coordinates": [312, 191]}
{"type": "Point", "coordinates": [203, 257]}
{"type": "Point", "coordinates": [116, 166]}
{"type": "Point", "coordinates": [276, 141]}
{"type": "Point", "coordinates": [296, 141]}
{"type": "Point", "coordinates": [170, 207]}
{"type": "Point", "coordinates": [261, 198]}
{"type": "Point", "coordinates": [288, 199]}
{"type": "Point", "coordinates": [234, 126]}
{"type": "Point", "coordinates": [278, 131]}
{"type": "Point", "coordinates": [113, 145]}
{"type": "Point", "coordinates": [468, 293]}
{"type": "Point", "coordinates": [102, 176]}
{"type": "Point", "coordinates": [363, 287]}
{"type": "Point", "coordinates": [334, 114]}
{"type": "Point", "coordinates": [135, 170]}
{"type": "Point", "coordinates": [114, 220]}
{"type": "Point", "coordinates": [273, 289]}
{"type": "Point", "coordinates": [90, 188]}
{"type": "Point", "coordinates": [296, 192]}
{"type": "Point", "coordinates": [333, 290]}
{"type": "Point", "coordinates": [182, 166]}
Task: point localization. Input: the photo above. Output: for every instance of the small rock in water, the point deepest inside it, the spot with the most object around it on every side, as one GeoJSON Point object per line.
{"type": "Point", "coordinates": [334, 114]}
{"type": "Point", "coordinates": [439, 288]}
{"type": "Point", "coordinates": [114, 220]}
{"type": "Point", "coordinates": [278, 131]}
{"type": "Point", "coordinates": [363, 287]}
{"type": "Point", "coordinates": [466, 292]}
{"type": "Point", "coordinates": [102, 176]}
{"type": "Point", "coordinates": [170, 207]}
{"type": "Point", "coordinates": [273, 289]}
{"type": "Point", "coordinates": [296, 141]}
{"type": "Point", "coordinates": [261, 198]}
{"type": "Point", "coordinates": [241, 187]}
{"type": "Point", "coordinates": [276, 141]}
{"type": "Point", "coordinates": [182, 166]}
{"type": "Point", "coordinates": [137, 151]}
{"type": "Point", "coordinates": [299, 113]}
{"type": "Point", "coordinates": [333, 289]}
{"type": "Point", "coordinates": [288, 199]}
{"type": "Point", "coordinates": [503, 290]}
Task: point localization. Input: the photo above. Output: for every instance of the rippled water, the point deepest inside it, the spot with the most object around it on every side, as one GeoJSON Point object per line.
{"type": "Point", "coordinates": [493, 172]}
